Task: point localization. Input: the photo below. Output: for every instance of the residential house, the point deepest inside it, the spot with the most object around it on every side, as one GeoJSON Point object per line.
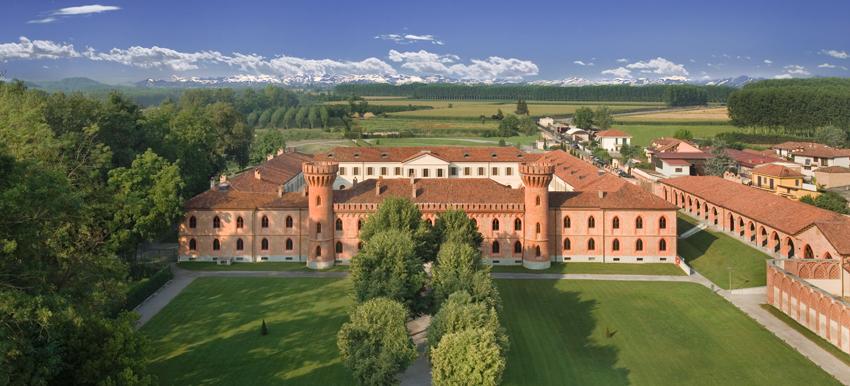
{"type": "Point", "coordinates": [782, 180]}
{"type": "Point", "coordinates": [612, 140]}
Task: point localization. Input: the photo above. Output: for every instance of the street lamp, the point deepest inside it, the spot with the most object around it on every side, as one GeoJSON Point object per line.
{"type": "Point", "coordinates": [730, 269]}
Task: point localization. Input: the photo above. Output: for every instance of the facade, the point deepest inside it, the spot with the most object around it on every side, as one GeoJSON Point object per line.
{"type": "Point", "coordinates": [832, 177]}
{"type": "Point", "coordinates": [669, 145]}
{"type": "Point", "coordinates": [612, 140]}
{"type": "Point", "coordinates": [677, 164]}
{"type": "Point", "coordinates": [813, 159]}
{"type": "Point", "coordinates": [746, 160]}
{"type": "Point", "coordinates": [560, 209]}
{"type": "Point", "coordinates": [782, 180]}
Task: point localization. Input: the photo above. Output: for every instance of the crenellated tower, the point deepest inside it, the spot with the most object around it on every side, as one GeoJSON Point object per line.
{"type": "Point", "coordinates": [319, 176]}
{"type": "Point", "coordinates": [536, 178]}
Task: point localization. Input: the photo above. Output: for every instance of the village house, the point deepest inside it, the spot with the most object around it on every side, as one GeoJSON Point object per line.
{"type": "Point", "coordinates": [612, 140]}
{"type": "Point", "coordinates": [782, 180]}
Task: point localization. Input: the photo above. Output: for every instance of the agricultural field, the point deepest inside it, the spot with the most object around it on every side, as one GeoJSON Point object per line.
{"type": "Point", "coordinates": [719, 114]}
{"type": "Point", "coordinates": [640, 333]}
{"type": "Point", "coordinates": [643, 134]}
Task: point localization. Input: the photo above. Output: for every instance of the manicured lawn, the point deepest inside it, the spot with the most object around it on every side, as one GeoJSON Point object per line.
{"type": "Point", "coordinates": [599, 268]}
{"type": "Point", "coordinates": [684, 223]}
{"type": "Point", "coordinates": [714, 254]}
{"type": "Point", "coordinates": [266, 266]}
{"type": "Point", "coordinates": [210, 333]}
{"type": "Point", "coordinates": [841, 355]}
{"type": "Point", "coordinates": [644, 134]}
{"type": "Point", "coordinates": [661, 334]}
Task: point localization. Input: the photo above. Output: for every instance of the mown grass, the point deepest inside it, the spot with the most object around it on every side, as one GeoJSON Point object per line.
{"type": "Point", "coordinates": [823, 343]}
{"type": "Point", "coordinates": [571, 332]}
{"type": "Point", "coordinates": [264, 266]}
{"type": "Point", "coordinates": [210, 333]}
{"type": "Point", "coordinates": [599, 268]}
{"type": "Point", "coordinates": [642, 135]}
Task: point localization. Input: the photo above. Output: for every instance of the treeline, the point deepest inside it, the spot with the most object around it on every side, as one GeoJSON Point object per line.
{"type": "Point", "coordinates": [792, 106]}
{"type": "Point", "coordinates": [612, 93]}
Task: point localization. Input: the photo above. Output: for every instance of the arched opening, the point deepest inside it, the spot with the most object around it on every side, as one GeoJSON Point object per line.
{"type": "Point", "coordinates": [216, 245]}
{"type": "Point", "coordinates": [517, 225]}
{"type": "Point", "coordinates": [665, 194]}
{"type": "Point", "coordinates": [240, 245]}
{"type": "Point", "coordinates": [662, 245]}
{"type": "Point", "coordinates": [288, 244]}
{"type": "Point", "coordinates": [318, 200]}
{"type": "Point", "coordinates": [537, 251]}
{"type": "Point", "coordinates": [698, 206]}
{"type": "Point", "coordinates": [763, 236]}
{"type": "Point", "coordinates": [591, 245]}
{"type": "Point", "coordinates": [776, 244]}
{"type": "Point", "coordinates": [318, 251]}
{"type": "Point", "coordinates": [193, 222]}
{"type": "Point", "coordinates": [318, 228]}
{"type": "Point", "coordinates": [731, 223]}
{"type": "Point", "coordinates": [537, 228]}
{"type": "Point", "coordinates": [475, 222]}
{"type": "Point", "coordinates": [615, 245]}
{"type": "Point", "coordinates": [359, 224]}
{"type": "Point", "coordinates": [662, 223]}
{"type": "Point", "coordinates": [639, 223]}
{"type": "Point", "coordinates": [808, 253]}
{"type": "Point", "coordinates": [705, 209]}
{"type": "Point", "coordinates": [495, 248]}
{"type": "Point", "coordinates": [827, 255]}
{"type": "Point", "coordinates": [537, 201]}
{"type": "Point", "coordinates": [430, 222]}
{"type": "Point", "coordinates": [193, 245]}
{"type": "Point", "coordinates": [690, 205]}
{"type": "Point", "coordinates": [338, 247]}
{"type": "Point", "coordinates": [288, 221]}
{"type": "Point", "coordinates": [639, 245]}
{"type": "Point", "coordinates": [517, 247]}
{"type": "Point", "coordinates": [740, 227]}
{"type": "Point", "coordinates": [615, 223]}
{"type": "Point", "coordinates": [495, 224]}
{"type": "Point", "coordinates": [789, 244]}
{"type": "Point", "coordinates": [216, 222]}
{"type": "Point", "coordinates": [264, 244]}
{"type": "Point", "coordinates": [567, 222]}
{"type": "Point", "coordinates": [567, 245]}
{"type": "Point", "coordinates": [239, 222]}
{"type": "Point", "coordinates": [338, 225]}
{"type": "Point", "coordinates": [264, 222]}
{"type": "Point", "coordinates": [591, 222]}
{"type": "Point", "coordinates": [714, 211]}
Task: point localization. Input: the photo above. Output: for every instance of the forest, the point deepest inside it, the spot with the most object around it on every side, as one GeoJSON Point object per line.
{"type": "Point", "coordinates": [606, 93]}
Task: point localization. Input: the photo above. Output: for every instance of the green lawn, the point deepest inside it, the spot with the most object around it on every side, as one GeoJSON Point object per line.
{"type": "Point", "coordinates": [642, 135]}
{"type": "Point", "coordinates": [713, 254]}
{"type": "Point", "coordinates": [684, 223]}
{"type": "Point", "coordinates": [663, 334]}
{"type": "Point", "coordinates": [835, 351]}
{"type": "Point", "coordinates": [599, 268]}
{"type": "Point", "coordinates": [210, 333]}
{"type": "Point", "coordinates": [265, 266]}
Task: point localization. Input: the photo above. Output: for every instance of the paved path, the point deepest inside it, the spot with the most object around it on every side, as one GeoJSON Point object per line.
{"type": "Point", "coordinates": [693, 231]}
{"type": "Point", "coordinates": [419, 373]}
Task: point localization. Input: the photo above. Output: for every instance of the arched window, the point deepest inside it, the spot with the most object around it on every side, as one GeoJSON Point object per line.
{"type": "Point", "coordinates": [495, 224]}
{"type": "Point", "coordinates": [240, 245]}
{"type": "Point", "coordinates": [517, 225]}
{"type": "Point", "coordinates": [591, 222]}
{"type": "Point", "coordinates": [193, 245]}
{"type": "Point", "coordinates": [239, 222]}
{"type": "Point", "coordinates": [616, 223]}
{"type": "Point", "coordinates": [474, 221]}
{"type": "Point", "coordinates": [288, 221]}
{"type": "Point", "coordinates": [808, 253]}
{"type": "Point", "coordinates": [537, 228]}
{"type": "Point", "coordinates": [359, 224]}
{"type": "Point", "coordinates": [591, 245]}
{"type": "Point", "coordinates": [264, 244]}
{"type": "Point", "coordinates": [339, 224]}
{"type": "Point", "coordinates": [360, 246]}
{"type": "Point", "coordinates": [338, 247]}
{"type": "Point", "coordinates": [495, 248]}
{"type": "Point", "coordinates": [615, 245]}
{"type": "Point", "coordinates": [216, 222]}
{"type": "Point", "coordinates": [318, 227]}
{"type": "Point", "coordinates": [537, 251]}
{"type": "Point", "coordinates": [662, 223]}
{"type": "Point", "coordinates": [639, 223]}
{"type": "Point", "coordinates": [517, 247]}
{"type": "Point", "coordinates": [639, 245]}
{"type": "Point", "coordinates": [567, 245]}
{"type": "Point", "coordinates": [216, 245]}
{"type": "Point", "coordinates": [318, 200]}
{"type": "Point", "coordinates": [662, 245]}
{"type": "Point", "coordinates": [537, 200]}
{"type": "Point", "coordinates": [567, 222]}
{"type": "Point", "coordinates": [430, 223]}
{"type": "Point", "coordinates": [193, 222]}
{"type": "Point", "coordinates": [264, 222]}
{"type": "Point", "coordinates": [288, 244]}
{"type": "Point", "coordinates": [318, 251]}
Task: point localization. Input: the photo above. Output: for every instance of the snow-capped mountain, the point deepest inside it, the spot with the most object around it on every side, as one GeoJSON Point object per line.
{"type": "Point", "coordinates": [739, 81]}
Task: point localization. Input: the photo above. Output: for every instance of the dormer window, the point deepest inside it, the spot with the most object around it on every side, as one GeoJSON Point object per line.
{"type": "Point", "coordinates": [493, 155]}
{"type": "Point", "coordinates": [330, 155]}
{"type": "Point", "coordinates": [356, 155]}
{"type": "Point", "coordinates": [465, 155]}
{"type": "Point", "coordinates": [384, 155]}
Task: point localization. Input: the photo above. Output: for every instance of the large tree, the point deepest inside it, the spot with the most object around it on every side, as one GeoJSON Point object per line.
{"type": "Point", "coordinates": [468, 357]}
{"type": "Point", "coordinates": [402, 214]}
{"type": "Point", "coordinates": [583, 118]}
{"type": "Point", "coordinates": [455, 269]}
{"type": "Point", "coordinates": [720, 162]}
{"type": "Point", "coordinates": [454, 225]}
{"type": "Point", "coordinates": [388, 267]}
{"type": "Point", "coordinates": [461, 312]}
{"type": "Point", "coordinates": [603, 118]}
{"type": "Point", "coordinates": [374, 344]}
{"type": "Point", "coordinates": [267, 142]}
{"type": "Point", "coordinates": [832, 136]}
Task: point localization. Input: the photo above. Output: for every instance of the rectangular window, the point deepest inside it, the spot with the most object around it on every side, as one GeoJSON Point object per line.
{"type": "Point", "coordinates": [453, 171]}
{"type": "Point", "coordinates": [480, 171]}
{"type": "Point", "coordinates": [369, 171]}
{"type": "Point", "coordinates": [509, 171]}
{"type": "Point", "coordinates": [356, 172]}
{"type": "Point", "coordinates": [383, 171]}
{"type": "Point", "coordinates": [398, 171]}
{"type": "Point", "coordinates": [466, 171]}
{"type": "Point", "coordinates": [411, 173]}
{"type": "Point", "coordinates": [425, 172]}
{"type": "Point", "coordinates": [495, 171]}
{"type": "Point", "coordinates": [439, 172]}
{"type": "Point", "coordinates": [342, 171]}
{"type": "Point", "coordinates": [678, 170]}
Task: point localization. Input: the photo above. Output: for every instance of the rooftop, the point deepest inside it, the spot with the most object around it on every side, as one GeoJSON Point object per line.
{"type": "Point", "coordinates": [613, 133]}
{"type": "Point", "coordinates": [751, 159]}
{"type": "Point", "coordinates": [833, 169]}
{"type": "Point", "coordinates": [779, 171]}
{"type": "Point", "coordinates": [445, 153]}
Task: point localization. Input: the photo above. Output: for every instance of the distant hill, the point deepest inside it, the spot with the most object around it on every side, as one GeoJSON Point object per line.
{"type": "Point", "coordinates": [71, 84]}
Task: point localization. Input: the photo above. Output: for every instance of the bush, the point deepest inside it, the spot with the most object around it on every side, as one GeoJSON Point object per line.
{"type": "Point", "coordinates": [374, 344]}
{"type": "Point", "coordinates": [140, 291]}
{"type": "Point", "coordinates": [388, 267]}
{"type": "Point", "coordinates": [468, 357]}
{"type": "Point", "coordinates": [461, 312]}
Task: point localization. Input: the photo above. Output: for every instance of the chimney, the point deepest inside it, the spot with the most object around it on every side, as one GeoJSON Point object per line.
{"type": "Point", "coordinates": [213, 185]}
{"type": "Point", "coordinates": [280, 191]}
{"type": "Point", "coordinates": [269, 157]}
{"type": "Point", "coordinates": [222, 178]}
{"type": "Point", "coordinates": [279, 151]}
{"type": "Point", "coordinates": [257, 174]}
{"type": "Point", "coordinates": [378, 185]}
{"type": "Point", "coordinates": [601, 194]}
{"type": "Point", "coordinates": [412, 188]}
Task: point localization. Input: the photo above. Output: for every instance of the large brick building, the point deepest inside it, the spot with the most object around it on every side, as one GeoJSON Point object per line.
{"type": "Point", "coordinates": [531, 208]}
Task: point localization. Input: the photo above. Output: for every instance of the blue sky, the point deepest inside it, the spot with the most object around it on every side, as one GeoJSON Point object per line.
{"type": "Point", "coordinates": [122, 41]}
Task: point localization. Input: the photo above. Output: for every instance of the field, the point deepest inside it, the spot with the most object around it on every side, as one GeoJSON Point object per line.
{"type": "Point", "coordinates": [428, 127]}
{"type": "Point", "coordinates": [210, 333]}
{"type": "Point", "coordinates": [599, 268]}
{"type": "Point", "coordinates": [473, 110]}
{"type": "Point", "coordinates": [715, 254]}
{"type": "Point", "coordinates": [640, 333]}
{"type": "Point", "coordinates": [680, 115]}
{"type": "Point", "coordinates": [643, 134]}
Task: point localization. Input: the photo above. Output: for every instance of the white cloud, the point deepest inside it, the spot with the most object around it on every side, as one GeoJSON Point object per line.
{"type": "Point", "coordinates": [659, 66]}
{"type": "Point", "coordinates": [619, 72]}
{"type": "Point", "coordinates": [768, 61]}
{"type": "Point", "coordinates": [74, 11]}
{"type": "Point", "coordinates": [826, 65]}
{"type": "Point", "coordinates": [783, 76]}
{"type": "Point", "coordinates": [583, 63]}
{"type": "Point", "coordinates": [36, 49]}
{"type": "Point", "coordinates": [491, 68]}
{"type": "Point", "coordinates": [795, 69]}
{"type": "Point", "coordinates": [622, 60]}
{"type": "Point", "coordinates": [836, 54]}
{"type": "Point", "coordinates": [156, 57]}
{"type": "Point", "coordinates": [410, 38]}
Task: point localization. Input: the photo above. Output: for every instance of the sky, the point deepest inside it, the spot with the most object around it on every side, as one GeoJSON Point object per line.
{"type": "Point", "coordinates": [128, 41]}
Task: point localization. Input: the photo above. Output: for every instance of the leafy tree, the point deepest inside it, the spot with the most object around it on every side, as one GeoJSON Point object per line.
{"type": "Point", "coordinates": [683, 134]}
{"type": "Point", "coordinates": [267, 142]}
{"type": "Point", "coordinates": [685, 95]}
{"type": "Point", "coordinates": [374, 344]}
{"type": "Point", "coordinates": [148, 200]}
{"type": "Point", "coordinates": [324, 116]}
{"type": "Point", "coordinates": [456, 265]}
{"type": "Point", "coordinates": [720, 162]}
{"type": "Point", "coordinates": [603, 118]}
{"type": "Point", "coordinates": [265, 118]}
{"type": "Point", "coordinates": [509, 126]}
{"type": "Point", "coordinates": [252, 118]}
{"type": "Point", "coordinates": [313, 116]}
{"type": "Point", "coordinates": [583, 118]}
{"type": "Point", "coordinates": [521, 107]}
{"type": "Point", "coordinates": [388, 267]}
{"type": "Point", "coordinates": [832, 136]}
{"type": "Point", "coordinates": [527, 125]}
{"type": "Point", "coordinates": [829, 201]}
{"type": "Point", "coordinates": [288, 117]}
{"type": "Point", "coordinates": [454, 226]}
{"type": "Point", "coordinates": [300, 116]}
{"type": "Point", "coordinates": [468, 357]}
{"type": "Point", "coordinates": [629, 152]}
{"type": "Point", "coordinates": [276, 119]}
{"type": "Point", "coordinates": [403, 215]}
{"type": "Point", "coordinates": [459, 313]}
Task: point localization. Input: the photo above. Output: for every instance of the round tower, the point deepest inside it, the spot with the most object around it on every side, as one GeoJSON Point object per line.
{"type": "Point", "coordinates": [536, 178]}
{"type": "Point", "coordinates": [319, 177]}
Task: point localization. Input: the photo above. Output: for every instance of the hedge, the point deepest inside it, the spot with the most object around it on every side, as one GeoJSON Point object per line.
{"type": "Point", "coordinates": [140, 291]}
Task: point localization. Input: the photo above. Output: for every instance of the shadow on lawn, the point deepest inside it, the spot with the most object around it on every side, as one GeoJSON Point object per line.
{"type": "Point", "coordinates": [696, 246]}
{"type": "Point", "coordinates": [556, 340]}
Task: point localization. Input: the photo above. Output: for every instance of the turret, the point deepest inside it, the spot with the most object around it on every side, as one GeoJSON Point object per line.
{"type": "Point", "coordinates": [319, 177]}
{"type": "Point", "coordinates": [536, 178]}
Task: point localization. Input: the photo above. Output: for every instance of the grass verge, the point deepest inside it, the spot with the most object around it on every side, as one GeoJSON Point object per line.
{"type": "Point", "coordinates": [821, 342]}
{"type": "Point", "coordinates": [599, 268]}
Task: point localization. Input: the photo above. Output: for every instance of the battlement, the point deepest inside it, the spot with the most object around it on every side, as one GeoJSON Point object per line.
{"type": "Point", "coordinates": [320, 173]}
{"type": "Point", "coordinates": [536, 175]}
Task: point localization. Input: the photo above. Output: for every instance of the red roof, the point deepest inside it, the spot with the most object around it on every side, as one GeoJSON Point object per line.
{"type": "Point", "coordinates": [446, 153]}
{"type": "Point", "coordinates": [684, 155]}
{"type": "Point", "coordinates": [579, 174]}
{"type": "Point", "coordinates": [824, 152]}
{"type": "Point", "coordinates": [613, 133]}
{"type": "Point", "coordinates": [833, 169]}
{"type": "Point", "coordinates": [751, 159]}
{"type": "Point", "coordinates": [780, 171]}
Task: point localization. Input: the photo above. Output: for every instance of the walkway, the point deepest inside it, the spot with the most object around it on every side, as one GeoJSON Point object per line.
{"type": "Point", "coordinates": [692, 231]}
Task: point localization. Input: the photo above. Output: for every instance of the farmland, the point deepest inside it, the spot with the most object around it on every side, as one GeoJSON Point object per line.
{"type": "Point", "coordinates": [710, 114]}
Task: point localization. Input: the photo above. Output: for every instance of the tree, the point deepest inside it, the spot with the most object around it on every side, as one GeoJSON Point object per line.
{"type": "Point", "coordinates": [388, 267]}
{"type": "Point", "coordinates": [403, 215]}
{"type": "Point", "coordinates": [455, 269]}
{"type": "Point", "coordinates": [832, 136]}
{"type": "Point", "coordinates": [288, 117]}
{"type": "Point", "coordinates": [603, 117]}
{"type": "Point", "coordinates": [527, 125]}
{"type": "Point", "coordinates": [683, 134]}
{"type": "Point", "coordinates": [148, 200]}
{"type": "Point", "coordinates": [583, 118]}
{"type": "Point", "coordinates": [829, 201]}
{"type": "Point", "coordinates": [276, 119]}
{"type": "Point", "coordinates": [313, 116]}
{"type": "Point", "coordinates": [468, 357]}
{"type": "Point", "coordinates": [300, 116]}
{"type": "Point", "coordinates": [455, 226]}
{"type": "Point", "coordinates": [629, 152]}
{"type": "Point", "coordinates": [685, 95]}
{"type": "Point", "coordinates": [509, 126]}
{"type": "Point", "coordinates": [268, 142]}
{"type": "Point", "coordinates": [374, 344]}
{"type": "Point", "coordinates": [521, 107]}
{"type": "Point", "coordinates": [720, 162]}
{"type": "Point", "coordinates": [252, 118]}
{"type": "Point", "coordinates": [265, 118]}
{"type": "Point", "coordinates": [324, 117]}
{"type": "Point", "coordinates": [460, 312]}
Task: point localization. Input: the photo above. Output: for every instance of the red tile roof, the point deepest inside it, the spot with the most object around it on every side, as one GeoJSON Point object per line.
{"type": "Point", "coordinates": [838, 234]}
{"type": "Point", "coordinates": [432, 191]}
{"type": "Point", "coordinates": [684, 155]}
{"type": "Point", "coordinates": [833, 169]}
{"type": "Point", "coordinates": [579, 174]}
{"type": "Point", "coordinates": [783, 214]}
{"type": "Point", "coordinates": [627, 196]}
{"type": "Point", "coordinates": [613, 133]}
{"type": "Point", "coordinates": [824, 152]}
{"type": "Point", "coordinates": [751, 159]}
{"type": "Point", "coordinates": [446, 153]}
{"type": "Point", "coordinates": [780, 171]}
{"type": "Point", "coordinates": [273, 174]}
{"type": "Point", "coordinates": [230, 199]}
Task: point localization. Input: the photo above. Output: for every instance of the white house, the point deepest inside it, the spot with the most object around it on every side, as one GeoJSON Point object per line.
{"type": "Point", "coordinates": [546, 121]}
{"type": "Point", "coordinates": [612, 140]}
{"type": "Point", "coordinates": [819, 157]}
